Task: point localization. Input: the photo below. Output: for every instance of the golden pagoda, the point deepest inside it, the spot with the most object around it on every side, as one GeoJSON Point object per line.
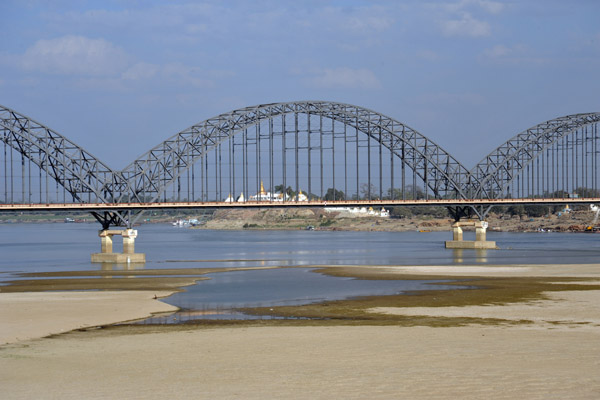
{"type": "Point", "coordinates": [262, 188]}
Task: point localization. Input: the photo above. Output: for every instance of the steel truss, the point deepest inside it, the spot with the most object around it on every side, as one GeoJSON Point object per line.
{"type": "Point", "coordinates": [554, 156]}
{"type": "Point", "coordinates": [81, 175]}
{"type": "Point", "coordinates": [152, 173]}
{"type": "Point", "coordinates": [498, 170]}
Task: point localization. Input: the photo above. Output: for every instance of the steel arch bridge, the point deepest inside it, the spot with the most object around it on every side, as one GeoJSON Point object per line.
{"type": "Point", "coordinates": [163, 165]}
{"type": "Point", "coordinates": [511, 164]}
{"type": "Point", "coordinates": [305, 150]}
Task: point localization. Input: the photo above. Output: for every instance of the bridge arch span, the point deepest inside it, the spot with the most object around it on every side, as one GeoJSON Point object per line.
{"type": "Point", "coordinates": [164, 165]}
{"type": "Point", "coordinates": [83, 176]}
{"type": "Point", "coordinates": [556, 155]}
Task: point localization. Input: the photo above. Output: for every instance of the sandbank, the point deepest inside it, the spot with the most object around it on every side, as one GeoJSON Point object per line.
{"type": "Point", "coordinates": [476, 271]}
{"type": "Point", "coordinates": [33, 315]}
{"type": "Point", "coordinates": [307, 362]}
{"type": "Point", "coordinates": [546, 270]}
{"type": "Point", "coordinates": [565, 310]}
{"type": "Point", "coordinates": [554, 353]}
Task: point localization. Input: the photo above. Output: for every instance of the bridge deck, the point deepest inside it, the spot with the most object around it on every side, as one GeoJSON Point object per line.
{"type": "Point", "coordinates": [274, 204]}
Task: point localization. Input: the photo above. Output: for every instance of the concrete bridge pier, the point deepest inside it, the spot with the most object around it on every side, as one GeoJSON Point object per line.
{"type": "Point", "coordinates": [106, 243]}
{"type": "Point", "coordinates": [480, 241]}
{"type": "Point", "coordinates": [106, 254]}
{"type": "Point", "coordinates": [129, 236]}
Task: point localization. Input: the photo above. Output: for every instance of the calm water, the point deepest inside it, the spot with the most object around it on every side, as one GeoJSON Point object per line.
{"type": "Point", "coordinates": [281, 287]}
{"type": "Point", "coordinates": [52, 247]}
{"type": "Point", "coordinates": [277, 287]}
{"type": "Point", "coordinates": [61, 247]}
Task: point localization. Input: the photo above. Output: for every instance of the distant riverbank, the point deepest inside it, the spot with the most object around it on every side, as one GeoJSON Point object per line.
{"type": "Point", "coordinates": [322, 219]}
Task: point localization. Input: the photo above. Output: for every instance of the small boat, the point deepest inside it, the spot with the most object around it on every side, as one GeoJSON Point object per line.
{"type": "Point", "coordinates": [181, 223]}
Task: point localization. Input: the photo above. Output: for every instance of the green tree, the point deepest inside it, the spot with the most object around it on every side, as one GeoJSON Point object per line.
{"type": "Point", "coordinates": [434, 211]}
{"type": "Point", "coordinates": [401, 212]}
{"type": "Point", "coordinates": [586, 192]}
{"type": "Point", "coordinates": [559, 194]}
{"type": "Point", "coordinates": [410, 193]}
{"type": "Point", "coordinates": [516, 209]}
{"type": "Point", "coordinates": [289, 191]}
{"type": "Point", "coordinates": [333, 194]}
{"type": "Point", "coordinates": [368, 192]}
{"type": "Point", "coordinates": [535, 210]}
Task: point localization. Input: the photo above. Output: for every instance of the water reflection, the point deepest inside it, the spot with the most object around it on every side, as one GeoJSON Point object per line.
{"type": "Point", "coordinates": [122, 266]}
{"type": "Point", "coordinates": [481, 255]}
{"type": "Point", "coordinates": [225, 292]}
{"type": "Point", "coordinates": [288, 286]}
{"type": "Point", "coordinates": [67, 247]}
{"type": "Point", "coordinates": [473, 255]}
{"type": "Point", "coordinates": [457, 254]}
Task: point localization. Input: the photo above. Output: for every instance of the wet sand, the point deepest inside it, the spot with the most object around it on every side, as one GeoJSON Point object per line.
{"type": "Point", "coordinates": [556, 354]}
{"type": "Point", "coordinates": [308, 362]}
{"type": "Point", "coordinates": [34, 315]}
{"type": "Point", "coordinates": [472, 271]}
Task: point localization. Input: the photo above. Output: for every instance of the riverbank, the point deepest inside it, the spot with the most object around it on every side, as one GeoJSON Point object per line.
{"type": "Point", "coordinates": [307, 362]}
{"type": "Point", "coordinates": [129, 295]}
{"type": "Point", "coordinates": [329, 219]}
{"type": "Point", "coordinates": [321, 219]}
{"type": "Point", "coordinates": [540, 344]}
{"type": "Point", "coordinates": [28, 315]}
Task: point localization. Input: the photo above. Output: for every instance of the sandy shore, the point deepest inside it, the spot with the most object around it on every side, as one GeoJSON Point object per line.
{"type": "Point", "coordinates": [547, 271]}
{"type": "Point", "coordinates": [480, 271]}
{"type": "Point", "coordinates": [572, 309]}
{"type": "Point", "coordinates": [308, 362]}
{"type": "Point", "coordinates": [555, 355]}
{"type": "Point", "coordinates": [34, 315]}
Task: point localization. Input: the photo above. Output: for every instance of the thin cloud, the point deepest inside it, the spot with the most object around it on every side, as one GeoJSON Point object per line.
{"type": "Point", "coordinates": [97, 63]}
{"type": "Point", "coordinates": [467, 25]}
{"type": "Point", "coordinates": [518, 54]}
{"type": "Point", "coordinates": [498, 51]}
{"type": "Point", "coordinates": [446, 98]}
{"type": "Point", "coordinates": [463, 18]}
{"type": "Point", "coordinates": [174, 74]}
{"type": "Point", "coordinates": [491, 7]}
{"type": "Point", "coordinates": [141, 71]}
{"type": "Point", "coordinates": [358, 20]}
{"type": "Point", "coordinates": [345, 78]}
{"type": "Point", "coordinates": [74, 55]}
{"type": "Point", "coordinates": [186, 75]}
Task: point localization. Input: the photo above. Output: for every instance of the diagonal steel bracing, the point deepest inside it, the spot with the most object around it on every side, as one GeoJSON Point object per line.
{"type": "Point", "coordinates": [497, 171]}
{"type": "Point", "coordinates": [151, 174]}
{"type": "Point", "coordinates": [560, 155]}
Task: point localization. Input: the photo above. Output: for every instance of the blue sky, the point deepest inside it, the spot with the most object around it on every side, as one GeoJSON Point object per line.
{"type": "Point", "coordinates": [118, 77]}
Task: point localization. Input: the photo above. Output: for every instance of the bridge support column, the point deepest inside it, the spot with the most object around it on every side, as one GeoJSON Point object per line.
{"type": "Point", "coordinates": [457, 233]}
{"type": "Point", "coordinates": [128, 256]}
{"type": "Point", "coordinates": [480, 241]}
{"type": "Point", "coordinates": [480, 231]}
{"type": "Point", "coordinates": [129, 236]}
{"type": "Point", "coordinates": [106, 244]}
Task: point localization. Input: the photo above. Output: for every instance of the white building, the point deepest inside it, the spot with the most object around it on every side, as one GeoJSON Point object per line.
{"type": "Point", "coordinates": [263, 195]}
{"type": "Point", "coordinates": [359, 212]}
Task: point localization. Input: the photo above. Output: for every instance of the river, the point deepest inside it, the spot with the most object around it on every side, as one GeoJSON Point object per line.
{"type": "Point", "coordinates": [26, 248]}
